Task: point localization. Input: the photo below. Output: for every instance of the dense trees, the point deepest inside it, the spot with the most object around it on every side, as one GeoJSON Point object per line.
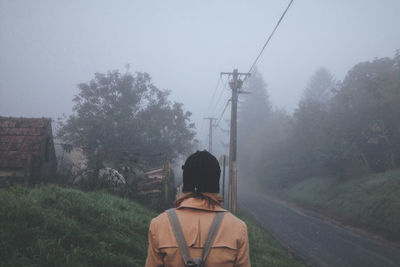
{"type": "Point", "coordinates": [340, 129]}
{"type": "Point", "coordinates": [320, 87]}
{"type": "Point", "coordinates": [366, 113]}
{"type": "Point", "coordinates": [310, 132]}
{"type": "Point", "coordinates": [253, 117]}
{"type": "Point", "coordinates": [124, 117]}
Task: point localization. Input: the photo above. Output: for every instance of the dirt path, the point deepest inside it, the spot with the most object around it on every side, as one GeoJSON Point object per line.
{"type": "Point", "coordinates": [318, 241]}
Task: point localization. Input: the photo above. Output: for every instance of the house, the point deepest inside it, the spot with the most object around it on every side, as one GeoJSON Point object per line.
{"type": "Point", "coordinates": [27, 154]}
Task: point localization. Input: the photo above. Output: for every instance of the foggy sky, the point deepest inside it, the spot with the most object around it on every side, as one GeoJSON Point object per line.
{"type": "Point", "coordinates": [48, 47]}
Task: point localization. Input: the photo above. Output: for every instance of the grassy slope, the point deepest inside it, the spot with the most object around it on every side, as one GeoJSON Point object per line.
{"type": "Point", "coordinates": [53, 226]}
{"type": "Point", "coordinates": [372, 202]}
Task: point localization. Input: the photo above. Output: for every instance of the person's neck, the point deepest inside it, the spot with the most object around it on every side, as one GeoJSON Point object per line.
{"type": "Point", "coordinates": [212, 199]}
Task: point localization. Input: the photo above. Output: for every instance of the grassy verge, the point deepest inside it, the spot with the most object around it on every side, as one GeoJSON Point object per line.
{"type": "Point", "coordinates": [266, 251]}
{"type": "Point", "coordinates": [371, 202]}
{"type": "Point", "coordinates": [54, 226]}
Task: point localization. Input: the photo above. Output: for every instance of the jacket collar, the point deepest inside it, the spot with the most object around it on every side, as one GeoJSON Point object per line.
{"type": "Point", "coordinates": [200, 204]}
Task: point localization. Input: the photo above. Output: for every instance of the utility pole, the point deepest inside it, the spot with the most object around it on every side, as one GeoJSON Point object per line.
{"type": "Point", "coordinates": [212, 125]}
{"type": "Point", "coordinates": [223, 177]}
{"type": "Point", "coordinates": [235, 84]}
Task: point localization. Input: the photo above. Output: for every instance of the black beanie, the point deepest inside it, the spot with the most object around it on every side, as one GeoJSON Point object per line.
{"type": "Point", "coordinates": [201, 173]}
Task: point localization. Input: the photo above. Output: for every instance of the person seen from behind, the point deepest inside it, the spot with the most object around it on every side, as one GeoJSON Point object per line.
{"type": "Point", "coordinates": [198, 231]}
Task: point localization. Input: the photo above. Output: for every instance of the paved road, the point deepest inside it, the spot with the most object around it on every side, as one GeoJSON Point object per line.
{"type": "Point", "coordinates": [318, 241]}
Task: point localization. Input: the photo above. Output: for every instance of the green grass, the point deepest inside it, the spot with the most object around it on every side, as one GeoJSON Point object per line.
{"type": "Point", "coordinates": [54, 226]}
{"type": "Point", "coordinates": [371, 202]}
{"type": "Point", "coordinates": [266, 251]}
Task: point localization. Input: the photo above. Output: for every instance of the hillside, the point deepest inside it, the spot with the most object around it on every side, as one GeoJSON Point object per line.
{"type": "Point", "coordinates": [53, 226]}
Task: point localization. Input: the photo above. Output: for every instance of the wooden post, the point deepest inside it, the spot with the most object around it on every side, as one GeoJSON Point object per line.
{"type": "Point", "coordinates": [235, 85]}
{"type": "Point", "coordinates": [166, 185]}
{"type": "Point", "coordinates": [210, 132]}
{"type": "Point", "coordinates": [223, 178]}
{"type": "Point", "coordinates": [29, 179]}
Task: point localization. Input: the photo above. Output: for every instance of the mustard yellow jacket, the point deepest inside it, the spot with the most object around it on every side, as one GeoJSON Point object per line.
{"type": "Point", "coordinates": [230, 248]}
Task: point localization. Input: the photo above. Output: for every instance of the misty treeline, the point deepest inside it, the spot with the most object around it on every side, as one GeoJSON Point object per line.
{"type": "Point", "coordinates": [340, 128]}
{"type": "Point", "coordinates": [123, 119]}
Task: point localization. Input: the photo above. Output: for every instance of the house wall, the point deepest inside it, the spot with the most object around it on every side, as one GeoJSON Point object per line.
{"type": "Point", "coordinates": [45, 165]}
{"type": "Point", "coordinates": [9, 177]}
{"type": "Point", "coordinates": [27, 151]}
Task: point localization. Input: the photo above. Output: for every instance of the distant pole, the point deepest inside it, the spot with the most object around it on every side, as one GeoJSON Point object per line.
{"type": "Point", "coordinates": [233, 139]}
{"type": "Point", "coordinates": [97, 168]}
{"type": "Point", "coordinates": [235, 85]}
{"type": "Point", "coordinates": [210, 132]}
{"type": "Point", "coordinates": [223, 178]}
{"type": "Point", "coordinates": [166, 183]}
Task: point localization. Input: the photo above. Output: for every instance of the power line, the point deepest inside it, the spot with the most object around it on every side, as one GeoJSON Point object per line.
{"type": "Point", "coordinates": [223, 112]}
{"type": "Point", "coordinates": [270, 36]}
{"type": "Point", "coordinates": [219, 111]}
{"type": "Point", "coordinates": [253, 65]}
{"type": "Point", "coordinates": [219, 98]}
{"type": "Point", "coordinates": [215, 91]}
{"type": "Point", "coordinates": [211, 101]}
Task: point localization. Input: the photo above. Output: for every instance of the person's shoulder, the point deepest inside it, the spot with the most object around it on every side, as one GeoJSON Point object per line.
{"type": "Point", "coordinates": [233, 228]}
{"type": "Point", "coordinates": [160, 219]}
{"type": "Point", "coordinates": [234, 221]}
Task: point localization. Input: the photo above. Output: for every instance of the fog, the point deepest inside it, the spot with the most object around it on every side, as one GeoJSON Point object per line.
{"type": "Point", "coordinates": [48, 47]}
{"type": "Point", "coordinates": [318, 168]}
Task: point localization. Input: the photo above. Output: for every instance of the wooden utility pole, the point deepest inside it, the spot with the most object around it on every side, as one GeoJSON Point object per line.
{"type": "Point", "coordinates": [166, 184]}
{"type": "Point", "coordinates": [223, 177]}
{"type": "Point", "coordinates": [235, 84]}
{"type": "Point", "coordinates": [210, 134]}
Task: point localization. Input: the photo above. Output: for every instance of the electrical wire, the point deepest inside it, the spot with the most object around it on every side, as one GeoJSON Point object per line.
{"type": "Point", "coordinates": [251, 68]}
{"type": "Point", "coordinates": [219, 111]}
{"type": "Point", "coordinates": [223, 112]}
{"type": "Point", "coordinates": [219, 98]}
{"type": "Point", "coordinates": [211, 102]}
{"type": "Point", "coordinates": [269, 38]}
{"type": "Point", "coordinates": [215, 91]}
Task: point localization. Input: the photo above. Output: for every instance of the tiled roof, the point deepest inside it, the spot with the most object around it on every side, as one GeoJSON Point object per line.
{"type": "Point", "coordinates": [19, 137]}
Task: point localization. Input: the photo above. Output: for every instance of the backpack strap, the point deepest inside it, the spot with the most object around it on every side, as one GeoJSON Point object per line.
{"type": "Point", "coordinates": [212, 233]}
{"type": "Point", "coordinates": [180, 238]}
